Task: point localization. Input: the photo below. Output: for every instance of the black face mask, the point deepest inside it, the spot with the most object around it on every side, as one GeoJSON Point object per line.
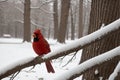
{"type": "Point", "coordinates": [36, 39]}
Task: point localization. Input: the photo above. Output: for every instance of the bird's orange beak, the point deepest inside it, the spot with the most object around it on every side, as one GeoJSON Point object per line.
{"type": "Point", "coordinates": [34, 36]}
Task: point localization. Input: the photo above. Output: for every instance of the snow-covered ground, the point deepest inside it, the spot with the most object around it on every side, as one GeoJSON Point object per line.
{"type": "Point", "coordinates": [13, 50]}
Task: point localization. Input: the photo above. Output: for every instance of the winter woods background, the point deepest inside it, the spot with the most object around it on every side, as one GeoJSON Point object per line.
{"type": "Point", "coordinates": [48, 15]}
{"type": "Point", "coordinates": [64, 20]}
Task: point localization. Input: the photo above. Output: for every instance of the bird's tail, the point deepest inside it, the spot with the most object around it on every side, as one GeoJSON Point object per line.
{"type": "Point", "coordinates": [49, 67]}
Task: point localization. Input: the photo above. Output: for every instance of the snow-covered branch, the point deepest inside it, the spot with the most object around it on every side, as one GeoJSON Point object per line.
{"type": "Point", "coordinates": [86, 40]}
{"type": "Point", "coordinates": [35, 24]}
{"type": "Point", "coordinates": [32, 22]}
{"type": "Point", "coordinates": [85, 66]}
{"type": "Point", "coordinates": [22, 1]}
{"type": "Point", "coordinates": [20, 10]}
{"type": "Point", "coordinates": [15, 67]}
{"type": "Point", "coordinates": [46, 2]}
{"type": "Point", "coordinates": [44, 10]}
{"type": "Point", "coordinates": [115, 73]}
{"type": "Point", "coordinates": [19, 21]}
{"type": "Point", "coordinates": [3, 1]}
{"type": "Point", "coordinates": [67, 49]}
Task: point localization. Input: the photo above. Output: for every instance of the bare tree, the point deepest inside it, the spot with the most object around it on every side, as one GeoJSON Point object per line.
{"type": "Point", "coordinates": [72, 26]}
{"type": "Point", "coordinates": [27, 28]}
{"type": "Point", "coordinates": [55, 15]}
{"type": "Point", "coordinates": [65, 5]}
{"type": "Point", "coordinates": [1, 21]}
{"type": "Point", "coordinates": [86, 15]}
{"type": "Point", "coordinates": [80, 32]}
{"type": "Point", "coordinates": [103, 12]}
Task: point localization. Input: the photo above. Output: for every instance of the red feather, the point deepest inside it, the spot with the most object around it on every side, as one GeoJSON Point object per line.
{"type": "Point", "coordinates": [41, 47]}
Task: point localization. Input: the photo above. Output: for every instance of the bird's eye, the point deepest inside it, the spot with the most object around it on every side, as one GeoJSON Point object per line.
{"type": "Point", "coordinates": [35, 35]}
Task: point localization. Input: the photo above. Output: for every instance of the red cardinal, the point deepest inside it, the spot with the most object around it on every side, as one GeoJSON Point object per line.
{"type": "Point", "coordinates": [41, 47]}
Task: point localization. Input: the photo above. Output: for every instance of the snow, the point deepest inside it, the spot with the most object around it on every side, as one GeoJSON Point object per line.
{"type": "Point", "coordinates": [13, 51]}
{"type": "Point", "coordinates": [89, 63]}
{"type": "Point", "coordinates": [96, 71]}
{"type": "Point", "coordinates": [115, 73]}
{"type": "Point", "coordinates": [100, 78]}
{"type": "Point", "coordinates": [10, 40]}
{"type": "Point", "coordinates": [6, 35]}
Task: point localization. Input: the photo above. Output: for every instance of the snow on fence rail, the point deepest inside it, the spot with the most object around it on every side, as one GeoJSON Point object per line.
{"type": "Point", "coordinates": [67, 49]}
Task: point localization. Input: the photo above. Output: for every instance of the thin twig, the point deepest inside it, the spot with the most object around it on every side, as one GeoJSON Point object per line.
{"type": "Point", "coordinates": [32, 68]}
{"type": "Point", "coordinates": [14, 75]}
{"type": "Point", "coordinates": [70, 59]}
{"type": "Point", "coordinates": [22, 1]}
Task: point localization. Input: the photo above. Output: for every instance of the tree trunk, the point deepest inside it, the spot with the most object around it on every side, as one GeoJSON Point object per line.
{"type": "Point", "coordinates": [1, 21]}
{"type": "Point", "coordinates": [102, 12]}
{"type": "Point", "coordinates": [86, 16]}
{"type": "Point", "coordinates": [72, 24]}
{"type": "Point", "coordinates": [27, 27]}
{"type": "Point", "coordinates": [55, 8]}
{"type": "Point", "coordinates": [80, 29]}
{"type": "Point", "coordinates": [63, 20]}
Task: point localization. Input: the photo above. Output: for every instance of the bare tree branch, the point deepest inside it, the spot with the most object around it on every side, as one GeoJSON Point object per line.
{"type": "Point", "coordinates": [43, 10]}
{"type": "Point", "coordinates": [32, 22]}
{"type": "Point", "coordinates": [70, 59]}
{"type": "Point", "coordinates": [22, 1]}
{"type": "Point", "coordinates": [14, 75]}
{"type": "Point", "coordinates": [45, 3]}
{"type": "Point", "coordinates": [3, 1]}
{"type": "Point", "coordinates": [19, 9]}
{"type": "Point", "coordinates": [83, 42]}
